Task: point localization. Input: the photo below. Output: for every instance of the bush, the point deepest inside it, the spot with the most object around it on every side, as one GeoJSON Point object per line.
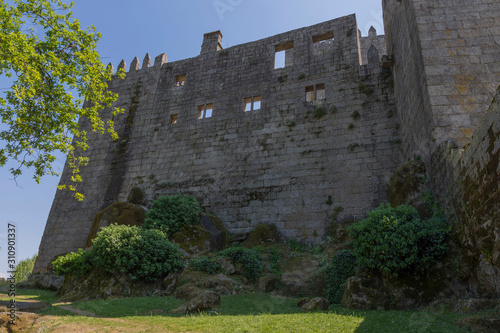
{"type": "Point", "coordinates": [342, 266]}
{"type": "Point", "coordinates": [250, 260]}
{"type": "Point", "coordinates": [75, 264]}
{"type": "Point", "coordinates": [396, 239]}
{"type": "Point", "coordinates": [141, 253]}
{"type": "Point", "coordinates": [204, 264]}
{"type": "Point", "coordinates": [170, 213]}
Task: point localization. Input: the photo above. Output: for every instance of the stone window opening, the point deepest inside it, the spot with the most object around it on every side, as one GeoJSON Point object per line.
{"type": "Point", "coordinates": [315, 93]}
{"type": "Point", "coordinates": [173, 118]}
{"type": "Point", "coordinates": [180, 80]}
{"type": "Point", "coordinates": [283, 56]}
{"type": "Point", "coordinates": [205, 111]}
{"type": "Point", "coordinates": [326, 37]}
{"type": "Point", "coordinates": [252, 103]}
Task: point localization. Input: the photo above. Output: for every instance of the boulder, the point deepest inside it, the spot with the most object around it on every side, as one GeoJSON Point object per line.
{"type": "Point", "coordinates": [42, 281]}
{"type": "Point", "coordinates": [215, 227]}
{"type": "Point", "coordinates": [303, 301]}
{"type": "Point", "coordinates": [299, 272]}
{"type": "Point", "coordinates": [407, 185]}
{"type": "Point", "coordinates": [316, 304]}
{"type": "Point", "coordinates": [221, 283]}
{"type": "Point", "coordinates": [170, 282]}
{"type": "Point", "coordinates": [122, 213]}
{"type": "Point", "coordinates": [188, 292]}
{"type": "Point", "coordinates": [267, 283]}
{"type": "Point", "coordinates": [209, 300]}
{"type": "Point", "coordinates": [226, 265]}
{"type": "Point", "coordinates": [473, 305]}
{"type": "Point", "coordinates": [192, 239]}
{"type": "Point", "coordinates": [263, 234]}
{"type": "Point", "coordinates": [372, 290]}
{"type": "Point", "coordinates": [490, 324]}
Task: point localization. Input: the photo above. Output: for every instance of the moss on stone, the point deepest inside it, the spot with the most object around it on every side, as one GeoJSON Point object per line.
{"type": "Point", "coordinates": [263, 234]}
{"type": "Point", "coordinates": [192, 239]}
{"type": "Point", "coordinates": [406, 183]}
{"type": "Point", "coordinates": [136, 196]}
{"type": "Point", "coordinates": [121, 213]}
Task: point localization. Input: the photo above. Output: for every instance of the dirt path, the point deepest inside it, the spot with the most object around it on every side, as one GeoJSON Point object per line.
{"type": "Point", "coordinates": [79, 312]}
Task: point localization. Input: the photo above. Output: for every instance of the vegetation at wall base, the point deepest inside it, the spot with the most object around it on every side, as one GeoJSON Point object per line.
{"type": "Point", "coordinates": [144, 254]}
{"type": "Point", "coordinates": [343, 266]}
{"type": "Point", "coordinates": [250, 260]}
{"type": "Point", "coordinates": [24, 268]}
{"type": "Point", "coordinates": [205, 265]}
{"type": "Point", "coordinates": [394, 240]}
{"type": "Point", "coordinates": [170, 213]}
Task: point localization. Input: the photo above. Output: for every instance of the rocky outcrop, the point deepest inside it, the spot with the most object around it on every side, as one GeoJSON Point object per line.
{"type": "Point", "coordinates": [316, 304]}
{"type": "Point", "coordinates": [122, 213]}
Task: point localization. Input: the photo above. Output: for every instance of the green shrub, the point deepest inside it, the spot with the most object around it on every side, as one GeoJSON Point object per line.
{"type": "Point", "coordinates": [170, 213]}
{"type": "Point", "coordinates": [75, 264]}
{"type": "Point", "coordinates": [396, 239]}
{"type": "Point", "coordinates": [342, 266]}
{"type": "Point", "coordinates": [250, 260]}
{"type": "Point", "coordinates": [204, 264]}
{"type": "Point", "coordinates": [141, 253]}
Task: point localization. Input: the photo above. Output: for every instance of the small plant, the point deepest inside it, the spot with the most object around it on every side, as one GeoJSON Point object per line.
{"type": "Point", "coordinates": [351, 126]}
{"type": "Point", "coordinates": [319, 112]}
{"type": "Point", "coordinates": [329, 201]}
{"type": "Point", "coordinates": [250, 260]}
{"type": "Point", "coordinates": [365, 89]}
{"type": "Point", "coordinates": [302, 76]}
{"type": "Point", "coordinates": [395, 140]}
{"type": "Point", "coordinates": [394, 240]}
{"type": "Point", "coordinates": [170, 213]}
{"type": "Point", "coordinates": [333, 109]}
{"type": "Point", "coordinates": [355, 115]}
{"type": "Point", "coordinates": [205, 264]}
{"type": "Point", "coordinates": [290, 124]}
{"type": "Point", "coordinates": [343, 266]}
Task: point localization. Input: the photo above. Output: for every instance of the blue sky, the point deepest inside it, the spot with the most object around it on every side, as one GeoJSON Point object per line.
{"type": "Point", "coordinates": [133, 28]}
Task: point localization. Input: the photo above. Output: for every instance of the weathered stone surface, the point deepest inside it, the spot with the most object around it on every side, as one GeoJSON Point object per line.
{"type": "Point", "coordinates": [121, 213]}
{"type": "Point", "coordinates": [208, 300]}
{"type": "Point", "coordinates": [170, 282]}
{"type": "Point", "coordinates": [192, 239]}
{"type": "Point", "coordinates": [303, 301]}
{"type": "Point", "coordinates": [217, 230]}
{"type": "Point", "coordinates": [42, 281]}
{"type": "Point", "coordinates": [473, 305]}
{"type": "Point", "coordinates": [226, 265]}
{"type": "Point", "coordinates": [407, 184]}
{"type": "Point", "coordinates": [267, 283]}
{"type": "Point", "coordinates": [371, 290]}
{"type": "Point", "coordinates": [298, 271]}
{"type": "Point", "coordinates": [263, 234]}
{"type": "Point", "coordinates": [489, 324]}
{"type": "Point", "coordinates": [221, 284]}
{"type": "Point", "coordinates": [188, 292]}
{"type": "Point", "coordinates": [316, 304]}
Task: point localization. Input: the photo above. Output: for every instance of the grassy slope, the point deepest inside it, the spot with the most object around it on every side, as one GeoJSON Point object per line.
{"type": "Point", "coordinates": [239, 313]}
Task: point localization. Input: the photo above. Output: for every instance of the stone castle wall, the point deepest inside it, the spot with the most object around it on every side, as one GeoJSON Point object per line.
{"type": "Point", "coordinates": [291, 162]}
{"type": "Point", "coordinates": [446, 72]}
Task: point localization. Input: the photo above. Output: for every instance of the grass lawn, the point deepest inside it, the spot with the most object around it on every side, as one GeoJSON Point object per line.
{"type": "Point", "coordinates": [239, 313]}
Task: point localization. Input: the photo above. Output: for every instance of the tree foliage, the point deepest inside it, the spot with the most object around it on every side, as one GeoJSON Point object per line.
{"type": "Point", "coordinates": [54, 67]}
{"type": "Point", "coordinates": [24, 268]}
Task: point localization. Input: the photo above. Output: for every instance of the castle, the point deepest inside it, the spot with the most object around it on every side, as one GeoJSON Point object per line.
{"type": "Point", "coordinates": [307, 126]}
